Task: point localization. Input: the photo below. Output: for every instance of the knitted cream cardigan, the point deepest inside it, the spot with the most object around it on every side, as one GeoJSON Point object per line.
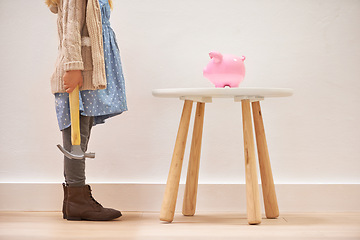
{"type": "Point", "coordinates": [81, 44]}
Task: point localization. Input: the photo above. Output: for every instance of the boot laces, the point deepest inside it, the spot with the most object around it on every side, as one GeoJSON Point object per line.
{"type": "Point", "coordinates": [93, 199]}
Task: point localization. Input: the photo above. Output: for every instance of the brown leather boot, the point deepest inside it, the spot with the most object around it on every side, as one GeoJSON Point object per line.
{"type": "Point", "coordinates": [82, 206]}
{"type": "Point", "coordinates": [65, 187]}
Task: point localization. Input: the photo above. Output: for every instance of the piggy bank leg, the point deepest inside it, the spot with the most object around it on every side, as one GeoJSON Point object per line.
{"type": "Point", "coordinates": [220, 85]}
{"type": "Point", "coordinates": [234, 84]}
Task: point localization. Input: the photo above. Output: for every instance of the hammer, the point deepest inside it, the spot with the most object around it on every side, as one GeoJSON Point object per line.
{"type": "Point", "coordinates": [76, 151]}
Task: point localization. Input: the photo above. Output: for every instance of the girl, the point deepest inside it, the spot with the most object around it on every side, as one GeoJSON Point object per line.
{"type": "Point", "coordinates": [89, 58]}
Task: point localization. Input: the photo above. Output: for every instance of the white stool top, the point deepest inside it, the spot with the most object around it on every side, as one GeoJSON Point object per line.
{"type": "Point", "coordinates": [206, 94]}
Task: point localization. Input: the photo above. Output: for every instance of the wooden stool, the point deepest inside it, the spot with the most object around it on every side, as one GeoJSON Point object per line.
{"type": "Point", "coordinates": [247, 97]}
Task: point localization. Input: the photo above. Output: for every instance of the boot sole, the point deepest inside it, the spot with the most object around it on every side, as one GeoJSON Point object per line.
{"type": "Point", "coordinates": [81, 219]}
{"type": "Point", "coordinates": [74, 219]}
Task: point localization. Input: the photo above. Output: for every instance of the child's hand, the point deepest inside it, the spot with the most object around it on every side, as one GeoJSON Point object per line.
{"type": "Point", "coordinates": [72, 79]}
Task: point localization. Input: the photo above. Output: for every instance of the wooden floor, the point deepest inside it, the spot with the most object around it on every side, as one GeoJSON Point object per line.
{"type": "Point", "coordinates": [145, 225]}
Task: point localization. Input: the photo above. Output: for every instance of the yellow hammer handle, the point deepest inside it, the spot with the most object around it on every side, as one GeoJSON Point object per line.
{"type": "Point", "coordinates": [75, 116]}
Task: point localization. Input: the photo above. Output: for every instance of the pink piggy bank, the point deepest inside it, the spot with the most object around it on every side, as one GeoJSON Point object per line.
{"type": "Point", "coordinates": [225, 70]}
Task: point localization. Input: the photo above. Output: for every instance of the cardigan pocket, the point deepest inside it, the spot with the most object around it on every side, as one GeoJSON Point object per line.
{"type": "Point", "coordinates": [87, 57]}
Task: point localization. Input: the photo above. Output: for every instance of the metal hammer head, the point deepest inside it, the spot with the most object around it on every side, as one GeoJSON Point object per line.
{"type": "Point", "coordinates": [76, 152]}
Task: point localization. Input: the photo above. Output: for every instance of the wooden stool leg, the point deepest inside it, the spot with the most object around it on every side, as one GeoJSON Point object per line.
{"type": "Point", "coordinates": [172, 186]}
{"type": "Point", "coordinates": [189, 203]}
{"type": "Point", "coordinates": [267, 182]}
{"type": "Point", "coordinates": [252, 188]}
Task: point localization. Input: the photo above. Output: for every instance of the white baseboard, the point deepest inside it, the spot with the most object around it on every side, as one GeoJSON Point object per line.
{"type": "Point", "coordinates": [211, 197]}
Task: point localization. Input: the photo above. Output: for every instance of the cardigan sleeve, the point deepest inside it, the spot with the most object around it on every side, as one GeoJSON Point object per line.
{"type": "Point", "coordinates": [72, 22]}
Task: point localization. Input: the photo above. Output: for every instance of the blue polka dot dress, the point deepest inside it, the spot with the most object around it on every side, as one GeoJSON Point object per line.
{"type": "Point", "coordinates": [105, 103]}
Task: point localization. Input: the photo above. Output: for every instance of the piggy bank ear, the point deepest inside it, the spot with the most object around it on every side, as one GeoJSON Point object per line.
{"type": "Point", "coordinates": [243, 58]}
{"type": "Point", "coordinates": [216, 56]}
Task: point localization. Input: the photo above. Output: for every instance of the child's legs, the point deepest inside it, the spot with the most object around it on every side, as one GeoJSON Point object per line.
{"type": "Point", "coordinates": [74, 170]}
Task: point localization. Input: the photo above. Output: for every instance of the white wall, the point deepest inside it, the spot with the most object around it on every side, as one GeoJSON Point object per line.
{"type": "Point", "coordinates": [312, 46]}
